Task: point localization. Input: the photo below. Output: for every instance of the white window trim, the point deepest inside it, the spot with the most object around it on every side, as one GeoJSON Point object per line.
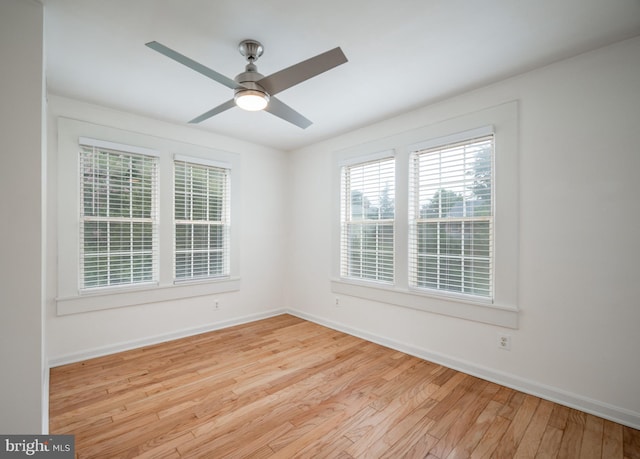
{"type": "Point", "coordinates": [203, 161]}
{"type": "Point", "coordinates": [110, 147]}
{"type": "Point", "coordinates": [208, 163]}
{"type": "Point", "coordinates": [503, 121]}
{"type": "Point", "coordinates": [89, 142]}
{"type": "Point", "coordinates": [444, 142]}
{"type": "Point", "coordinates": [70, 299]}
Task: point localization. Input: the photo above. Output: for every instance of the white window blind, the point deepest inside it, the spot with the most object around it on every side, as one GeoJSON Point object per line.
{"type": "Point", "coordinates": [451, 218]}
{"type": "Point", "coordinates": [118, 217]}
{"type": "Point", "coordinates": [367, 220]}
{"type": "Point", "coordinates": [201, 214]}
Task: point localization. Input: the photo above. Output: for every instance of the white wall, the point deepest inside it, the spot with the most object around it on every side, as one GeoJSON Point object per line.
{"type": "Point", "coordinates": [262, 247]}
{"type": "Point", "coordinates": [579, 294]}
{"type": "Point", "coordinates": [21, 222]}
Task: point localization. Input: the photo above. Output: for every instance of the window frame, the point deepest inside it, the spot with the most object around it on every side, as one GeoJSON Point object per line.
{"type": "Point", "coordinates": [502, 120]}
{"type": "Point", "coordinates": [109, 148]}
{"type": "Point", "coordinates": [347, 221]}
{"type": "Point", "coordinates": [70, 298]}
{"type": "Point", "coordinates": [431, 147]}
{"type": "Point", "coordinates": [224, 222]}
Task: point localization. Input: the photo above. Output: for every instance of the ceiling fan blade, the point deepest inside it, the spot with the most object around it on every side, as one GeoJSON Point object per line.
{"type": "Point", "coordinates": [214, 111]}
{"type": "Point", "coordinates": [184, 60]}
{"type": "Point", "coordinates": [302, 71]}
{"type": "Point", "coordinates": [281, 110]}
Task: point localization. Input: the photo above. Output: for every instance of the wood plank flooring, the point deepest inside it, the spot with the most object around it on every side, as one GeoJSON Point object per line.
{"type": "Point", "coordinates": [284, 387]}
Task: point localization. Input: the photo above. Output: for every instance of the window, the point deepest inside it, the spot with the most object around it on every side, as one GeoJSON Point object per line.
{"type": "Point", "coordinates": [451, 218]}
{"type": "Point", "coordinates": [367, 221]}
{"type": "Point", "coordinates": [117, 226]}
{"type": "Point", "coordinates": [201, 213]}
{"type": "Point", "coordinates": [118, 217]}
{"type": "Point", "coordinates": [451, 246]}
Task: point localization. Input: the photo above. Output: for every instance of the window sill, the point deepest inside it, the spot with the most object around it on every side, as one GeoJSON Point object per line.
{"type": "Point", "coordinates": [88, 302]}
{"type": "Point", "coordinates": [502, 316]}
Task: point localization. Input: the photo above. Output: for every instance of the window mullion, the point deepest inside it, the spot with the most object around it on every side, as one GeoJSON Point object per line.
{"type": "Point", "coordinates": [132, 273]}
{"type": "Point", "coordinates": [193, 226]}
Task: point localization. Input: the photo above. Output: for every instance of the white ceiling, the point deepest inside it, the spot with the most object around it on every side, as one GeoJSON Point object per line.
{"type": "Point", "coordinates": [402, 54]}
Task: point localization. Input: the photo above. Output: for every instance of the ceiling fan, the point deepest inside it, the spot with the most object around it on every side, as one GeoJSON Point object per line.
{"type": "Point", "coordinates": [253, 91]}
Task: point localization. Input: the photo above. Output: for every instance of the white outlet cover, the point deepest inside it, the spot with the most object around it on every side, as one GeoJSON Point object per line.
{"type": "Point", "coordinates": [504, 341]}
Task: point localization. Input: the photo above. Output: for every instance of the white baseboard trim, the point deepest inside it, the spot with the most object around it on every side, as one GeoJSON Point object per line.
{"type": "Point", "coordinates": [613, 413]}
{"type": "Point", "coordinates": [128, 345]}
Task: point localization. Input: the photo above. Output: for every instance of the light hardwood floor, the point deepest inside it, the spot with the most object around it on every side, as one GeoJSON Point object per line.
{"type": "Point", "coordinates": [284, 387]}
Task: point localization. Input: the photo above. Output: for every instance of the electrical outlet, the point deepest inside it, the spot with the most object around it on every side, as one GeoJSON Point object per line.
{"type": "Point", "coordinates": [504, 341]}
{"type": "Point", "coordinates": [337, 302]}
{"type": "Point", "coordinates": [216, 304]}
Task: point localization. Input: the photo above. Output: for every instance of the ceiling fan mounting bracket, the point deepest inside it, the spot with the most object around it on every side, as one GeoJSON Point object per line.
{"type": "Point", "coordinates": [250, 49]}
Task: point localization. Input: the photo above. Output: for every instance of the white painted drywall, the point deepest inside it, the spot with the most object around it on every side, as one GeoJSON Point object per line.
{"type": "Point", "coordinates": [21, 217]}
{"type": "Point", "coordinates": [262, 247]}
{"type": "Point", "coordinates": [579, 290]}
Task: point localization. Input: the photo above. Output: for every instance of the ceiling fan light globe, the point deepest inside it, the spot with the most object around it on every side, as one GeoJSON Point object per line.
{"type": "Point", "coordinates": [251, 100]}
